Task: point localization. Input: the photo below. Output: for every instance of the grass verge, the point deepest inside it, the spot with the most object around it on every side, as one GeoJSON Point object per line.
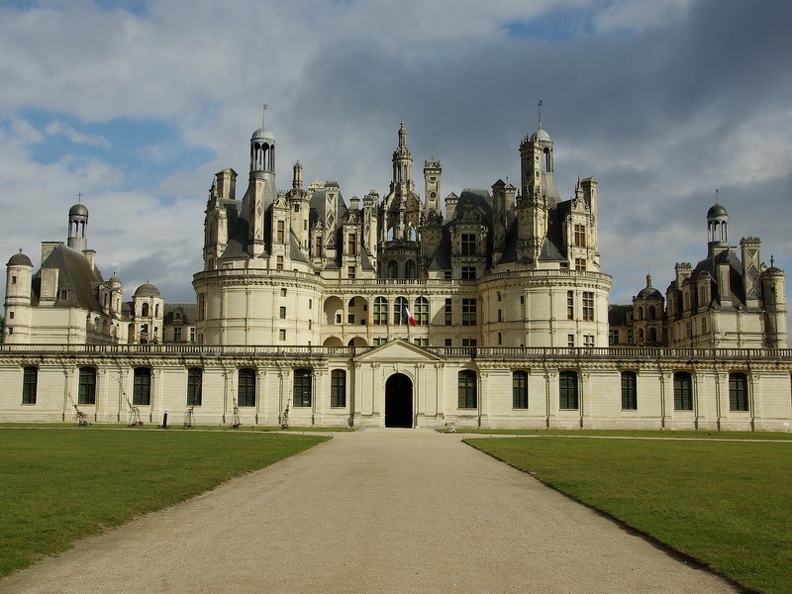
{"type": "Point", "coordinates": [61, 485]}
{"type": "Point", "coordinates": [726, 504]}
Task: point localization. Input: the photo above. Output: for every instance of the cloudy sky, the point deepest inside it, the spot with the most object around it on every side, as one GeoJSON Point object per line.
{"type": "Point", "coordinates": [136, 104]}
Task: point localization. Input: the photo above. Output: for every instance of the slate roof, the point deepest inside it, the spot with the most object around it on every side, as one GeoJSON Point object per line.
{"type": "Point", "coordinates": [75, 275]}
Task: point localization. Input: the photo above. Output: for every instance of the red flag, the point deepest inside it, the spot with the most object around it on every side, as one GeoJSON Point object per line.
{"type": "Point", "coordinates": [408, 316]}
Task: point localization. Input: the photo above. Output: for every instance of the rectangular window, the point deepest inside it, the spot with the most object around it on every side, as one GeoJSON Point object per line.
{"type": "Point", "coordinates": [738, 392]}
{"type": "Point", "coordinates": [177, 335]}
{"type": "Point", "coordinates": [246, 387]}
{"type": "Point", "coordinates": [500, 315]}
{"type": "Point", "coordinates": [588, 306]}
{"type": "Point", "coordinates": [351, 272]}
{"type": "Point", "coordinates": [380, 311]}
{"type": "Point", "coordinates": [380, 341]}
{"type": "Point", "coordinates": [613, 337]}
{"type": "Point", "coordinates": [279, 263]}
{"type": "Point", "coordinates": [520, 389]}
{"type": "Point", "coordinates": [86, 389]}
{"type": "Point", "coordinates": [318, 247]}
{"type": "Point", "coordinates": [568, 390]}
{"type": "Point", "coordinates": [468, 273]}
{"type": "Point", "coordinates": [283, 292]}
{"type": "Point", "coordinates": [468, 244]}
{"type": "Point", "coordinates": [469, 312]}
{"type": "Point", "coordinates": [423, 342]}
{"type": "Point", "coordinates": [571, 341]}
{"type": "Point", "coordinates": [283, 312]}
{"type": "Point", "coordinates": [588, 341]}
{"type": "Point", "coordinates": [192, 334]}
{"type": "Point", "coordinates": [466, 388]}
{"type": "Point", "coordinates": [29, 385]}
{"type": "Point", "coordinates": [448, 342]}
{"type": "Point", "coordinates": [337, 388]}
{"type": "Point", "coordinates": [352, 245]}
{"type": "Point", "coordinates": [570, 305]}
{"type": "Point", "coordinates": [194, 386]}
{"type": "Point", "coordinates": [350, 318]}
{"type": "Point", "coordinates": [447, 312]}
{"type": "Point", "coordinates": [580, 263]}
{"type": "Point", "coordinates": [141, 388]}
{"type": "Point", "coordinates": [469, 342]}
{"type": "Point", "coordinates": [338, 318]}
{"type": "Point", "coordinates": [580, 236]}
{"type": "Point", "coordinates": [282, 335]}
{"type": "Point", "coordinates": [280, 234]}
{"type": "Point", "coordinates": [302, 388]}
{"type": "Point", "coordinates": [683, 391]}
{"type": "Point", "coordinates": [500, 338]}
{"type": "Point", "coordinates": [629, 390]}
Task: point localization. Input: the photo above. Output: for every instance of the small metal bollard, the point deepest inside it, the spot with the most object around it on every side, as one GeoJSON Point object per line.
{"type": "Point", "coordinates": [165, 419]}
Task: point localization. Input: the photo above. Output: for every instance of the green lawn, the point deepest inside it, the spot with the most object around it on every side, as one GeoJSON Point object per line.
{"type": "Point", "coordinates": [60, 485]}
{"type": "Point", "coordinates": [727, 504]}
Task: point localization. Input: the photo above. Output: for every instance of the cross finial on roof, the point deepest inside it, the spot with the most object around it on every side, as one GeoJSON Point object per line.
{"type": "Point", "coordinates": [263, 115]}
{"type": "Point", "coordinates": [79, 197]}
{"type": "Point", "coordinates": [539, 107]}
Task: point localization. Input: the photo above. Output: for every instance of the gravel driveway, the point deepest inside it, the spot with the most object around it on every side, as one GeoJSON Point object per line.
{"type": "Point", "coordinates": [381, 510]}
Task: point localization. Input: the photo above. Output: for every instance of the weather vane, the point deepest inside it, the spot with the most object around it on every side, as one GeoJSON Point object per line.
{"type": "Point", "coordinates": [540, 112]}
{"type": "Point", "coordinates": [263, 115]}
{"type": "Point", "coordinates": [716, 195]}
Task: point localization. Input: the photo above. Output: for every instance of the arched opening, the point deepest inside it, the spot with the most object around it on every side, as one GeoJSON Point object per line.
{"type": "Point", "coordinates": [399, 401]}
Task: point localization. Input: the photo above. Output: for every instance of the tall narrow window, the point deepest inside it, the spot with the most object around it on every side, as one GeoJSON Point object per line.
{"type": "Point", "coordinates": [738, 392]}
{"type": "Point", "coordinates": [683, 391]}
{"type": "Point", "coordinates": [380, 311]}
{"type": "Point", "coordinates": [393, 269]}
{"type": "Point", "coordinates": [86, 388]}
{"type": "Point", "coordinates": [570, 305]}
{"type": "Point", "coordinates": [409, 269]}
{"type": "Point", "coordinates": [447, 312]}
{"type": "Point", "coordinates": [421, 313]}
{"type": "Point", "coordinates": [246, 387]}
{"type": "Point", "coordinates": [194, 386]}
{"type": "Point", "coordinates": [29, 385]}
{"type": "Point", "coordinates": [520, 389]}
{"type": "Point", "coordinates": [588, 306]}
{"type": "Point", "coordinates": [338, 388]}
{"type": "Point", "coordinates": [399, 305]}
{"type": "Point", "coordinates": [302, 388]}
{"type": "Point", "coordinates": [466, 388]}
{"type": "Point", "coordinates": [580, 236]}
{"type": "Point", "coordinates": [468, 244]}
{"type": "Point", "coordinates": [469, 312]}
{"type": "Point", "coordinates": [280, 232]}
{"type": "Point", "coordinates": [629, 390]}
{"type": "Point", "coordinates": [352, 244]}
{"type": "Point", "coordinates": [568, 390]}
{"type": "Point", "coordinates": [141, 387]}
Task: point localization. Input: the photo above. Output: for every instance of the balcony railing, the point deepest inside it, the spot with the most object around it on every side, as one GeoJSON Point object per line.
{"type": "Point", "coordinates": [303, 351]}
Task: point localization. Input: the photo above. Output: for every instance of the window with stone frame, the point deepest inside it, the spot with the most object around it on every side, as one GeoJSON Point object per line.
{"type": "Point", "coordinates": [141, 386]}
{"type": "Point", "coordinates": [194, 386]}
{"type": "Point", "coordinates": [467, 389]}
{"type": "Point", "coordinates": [302, 393]}
{"type": "Point", "coordinates": [337, 388]}
{"type": "Point", "coordinates": [580, 236]}
{"type": "Point", "coordinates": [588, 306]}
{"type": "Point", "coordinates": [683, 391]}
{"type": "Point", "coordinates": [738, 392]}
{"type": "Point", "coordinates": [421, 311]}
{"type": "Point", "coordinates": [380, 311]}
{"type": "Point", "coordinates": [468, 244]}
{"type": "Point", "coordinates": [469, 312]}
{"type": "Point", "coordinates": [629, 390]}
{"type": "Point", "coordinates": [568, 390]}
{"type": "Point", "coordinates": [29, 384]}
{"type": "Point", "coordinates": [520, 389]}
{"type": "Point", "coordinates": [246, 387]}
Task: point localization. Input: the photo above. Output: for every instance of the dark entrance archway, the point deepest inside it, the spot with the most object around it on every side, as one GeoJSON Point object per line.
{"type": "Point", "coordinates": [398, 401]}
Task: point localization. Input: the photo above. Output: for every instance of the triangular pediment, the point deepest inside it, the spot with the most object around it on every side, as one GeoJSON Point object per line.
{"type": "Point", "coordinates": [398, 350]}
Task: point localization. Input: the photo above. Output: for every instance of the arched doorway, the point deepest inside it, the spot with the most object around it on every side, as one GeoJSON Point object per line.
{"type": "Point", "coordinates": [398, 401]}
